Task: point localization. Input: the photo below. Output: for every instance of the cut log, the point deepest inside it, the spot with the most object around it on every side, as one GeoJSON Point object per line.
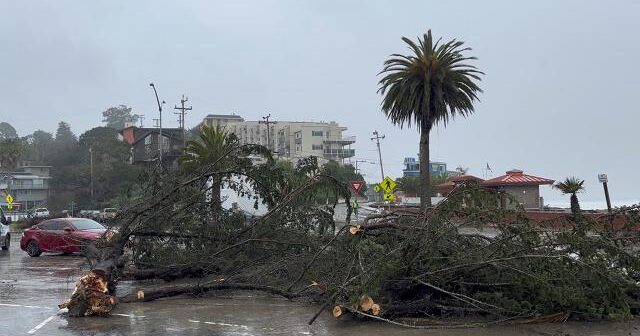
{"type": "Point", "coordinates": [375, 309]}
{"type": "Point", "coordinates": [366, 303]}
{"type": "Point", "coordinates": [355, 229]}
{"type": "Point", "coordinates": [337, 311]}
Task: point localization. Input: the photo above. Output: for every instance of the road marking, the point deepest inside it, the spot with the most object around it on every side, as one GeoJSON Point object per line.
{"type": "Point", "coordinates": [48, 308]}
{"type": "Point", "coordinates": [32, 331]}
{"type": "Point", "coordinates": [127, 315]}
{"type": "Point", "coordinates": [227, 325]}
{"type": "Point", "coordinates": [222, 324]}
{"type": "Point", "coordinates": [17, 305]}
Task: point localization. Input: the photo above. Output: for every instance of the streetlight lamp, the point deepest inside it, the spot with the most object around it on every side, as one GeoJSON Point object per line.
{"type": "Point", "coordinates": [160, 144]}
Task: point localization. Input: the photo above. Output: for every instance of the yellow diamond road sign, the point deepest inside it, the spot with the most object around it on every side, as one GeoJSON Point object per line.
{"type": "Point", "coordinates": [376, 188]}
{"type": "Point", "coordinates": [388, 185]}
{"type": "Point", "coordinates": [9, 199]}
{"type": "Point", "coordinates": [389, 197]}
{"type": "Point", "coordinates": [9, 207]}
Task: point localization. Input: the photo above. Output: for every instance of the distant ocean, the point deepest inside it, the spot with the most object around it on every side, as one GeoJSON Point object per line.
{"type": "Point", "coordinates": [590, 205]}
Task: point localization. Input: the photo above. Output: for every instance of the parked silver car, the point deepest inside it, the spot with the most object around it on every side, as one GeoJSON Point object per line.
{"type": "Point", "coordinates": [5, 235]}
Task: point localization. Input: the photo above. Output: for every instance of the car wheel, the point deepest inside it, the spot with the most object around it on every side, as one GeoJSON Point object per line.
{"type": "Point", "coordinates": [33, 250]}
{"type": "Point", "coordinates": [7, 242]}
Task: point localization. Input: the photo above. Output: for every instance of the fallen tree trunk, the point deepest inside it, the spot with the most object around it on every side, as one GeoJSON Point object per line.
{"type": "Point", "coordinates": [165, 273]}
{"type": "Point", "coordinates": [154, 293]}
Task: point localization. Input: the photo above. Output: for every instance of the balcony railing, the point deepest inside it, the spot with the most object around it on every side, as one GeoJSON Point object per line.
{"type": "Point", "coordinates": [340, 153]}
{"type": "Point", "coordinates": [343, 141]}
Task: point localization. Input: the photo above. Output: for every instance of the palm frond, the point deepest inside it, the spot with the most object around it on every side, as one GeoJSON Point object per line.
{"type": "Point", "coordinates": [571, 185]}
{"type": "Point", "coordinates": [431, 85]}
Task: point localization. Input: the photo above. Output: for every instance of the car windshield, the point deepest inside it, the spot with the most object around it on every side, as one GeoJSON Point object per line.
{"type": "Point", "coordinates": [41, 209]}
{"type": "Point", "coordinates": [109, 210]}
{"type": "Point", "coordinates": [86, 224]}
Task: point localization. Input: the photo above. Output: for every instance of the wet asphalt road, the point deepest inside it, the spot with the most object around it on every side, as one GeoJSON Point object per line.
{"type": "Point", "coordinates": [31, 289]}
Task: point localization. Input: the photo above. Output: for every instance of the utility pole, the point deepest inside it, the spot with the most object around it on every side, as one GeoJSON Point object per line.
{"type": "Point", "coordinates": [377, 138]}
{"type": "Point", "coordinates": [180, 114]}
{"type": "Point", "coordinates": [141, 118]}
{"type": "Point", "coordinates": [265, 120]}
{"type": "Point", "coordinates": [160, 142]}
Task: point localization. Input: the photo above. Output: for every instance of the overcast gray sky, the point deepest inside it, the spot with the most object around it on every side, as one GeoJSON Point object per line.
{"type": "Point", "coordinates": [560, 88]}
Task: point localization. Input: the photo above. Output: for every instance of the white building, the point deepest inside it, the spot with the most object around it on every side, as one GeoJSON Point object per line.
{"type": "Point", "coordinates": [29, 187]}
{"type": "Point", "coordinates": [290, 139]}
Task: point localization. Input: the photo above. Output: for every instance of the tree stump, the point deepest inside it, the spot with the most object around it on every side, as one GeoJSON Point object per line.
{"type": "Point", "coordinates": [90, 296]}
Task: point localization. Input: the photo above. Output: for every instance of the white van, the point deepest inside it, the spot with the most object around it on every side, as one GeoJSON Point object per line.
{"type": "Point", "coordinates": [5, 236]}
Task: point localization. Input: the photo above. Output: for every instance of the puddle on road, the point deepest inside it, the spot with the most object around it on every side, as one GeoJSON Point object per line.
{"type": "Point", "coordinates": [31, 288]}
{"type": "Point", "coordinates": [262, 315]}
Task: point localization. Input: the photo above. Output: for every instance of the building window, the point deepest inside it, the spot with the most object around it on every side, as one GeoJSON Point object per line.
{"type": "Point", "coordinates": [316, 147]}
{"type": "Point", "coordinates": [165, 143]}
{"type": "Point", "coordinates": [316, 133]}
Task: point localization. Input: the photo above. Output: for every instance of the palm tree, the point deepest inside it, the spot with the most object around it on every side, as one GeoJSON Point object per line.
{"type": "Point", "coordinates": [219, 155]}
{"type": "Point", "coordinates": [571, 185]}
{"type": "Point", "coordinates": [431, 85]}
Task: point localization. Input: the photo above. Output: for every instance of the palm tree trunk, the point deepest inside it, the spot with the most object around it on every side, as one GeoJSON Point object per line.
{"type": "Point", "coordinates": [575, 206]}
{"type": "Point", "coordinates": [216, 201]}
{"type": "Point", "coordinates": [425, 183]}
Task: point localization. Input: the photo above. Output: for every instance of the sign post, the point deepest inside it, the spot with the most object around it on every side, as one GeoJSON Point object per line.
{"type": "Point", "coordinates": [388, 185]}
{"type": "Point", "coordinates": [9, 200]}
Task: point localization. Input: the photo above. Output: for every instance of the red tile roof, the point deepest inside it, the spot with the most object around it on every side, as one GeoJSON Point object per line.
{"type": "Point", "coordinates": [516, 177]}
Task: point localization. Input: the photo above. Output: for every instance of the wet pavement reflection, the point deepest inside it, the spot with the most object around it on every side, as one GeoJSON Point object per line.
{"type": "Point", "coordinates": [31, 289]}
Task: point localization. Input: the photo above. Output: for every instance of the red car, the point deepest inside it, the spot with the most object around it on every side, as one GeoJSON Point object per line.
{"type": "Point", "coordinates": [66, 235]}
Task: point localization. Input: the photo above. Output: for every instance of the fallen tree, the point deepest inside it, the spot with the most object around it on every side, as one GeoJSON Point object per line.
{"type": "Point", "coordinates": [397, 267]}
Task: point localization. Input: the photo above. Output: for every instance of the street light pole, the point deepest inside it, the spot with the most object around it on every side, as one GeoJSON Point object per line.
{"type": "Point", "coordinates": [357, 170]}
{"type": "Point", "coordinates": [604, 179]}
{"type": "Point", "coordinates": [160, 145]}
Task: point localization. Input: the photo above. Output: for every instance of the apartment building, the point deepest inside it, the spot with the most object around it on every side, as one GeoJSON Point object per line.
{"type": "Point", "coordinates": [412, 167]}
{"type": "Point", "coordinates": [290, 139]}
